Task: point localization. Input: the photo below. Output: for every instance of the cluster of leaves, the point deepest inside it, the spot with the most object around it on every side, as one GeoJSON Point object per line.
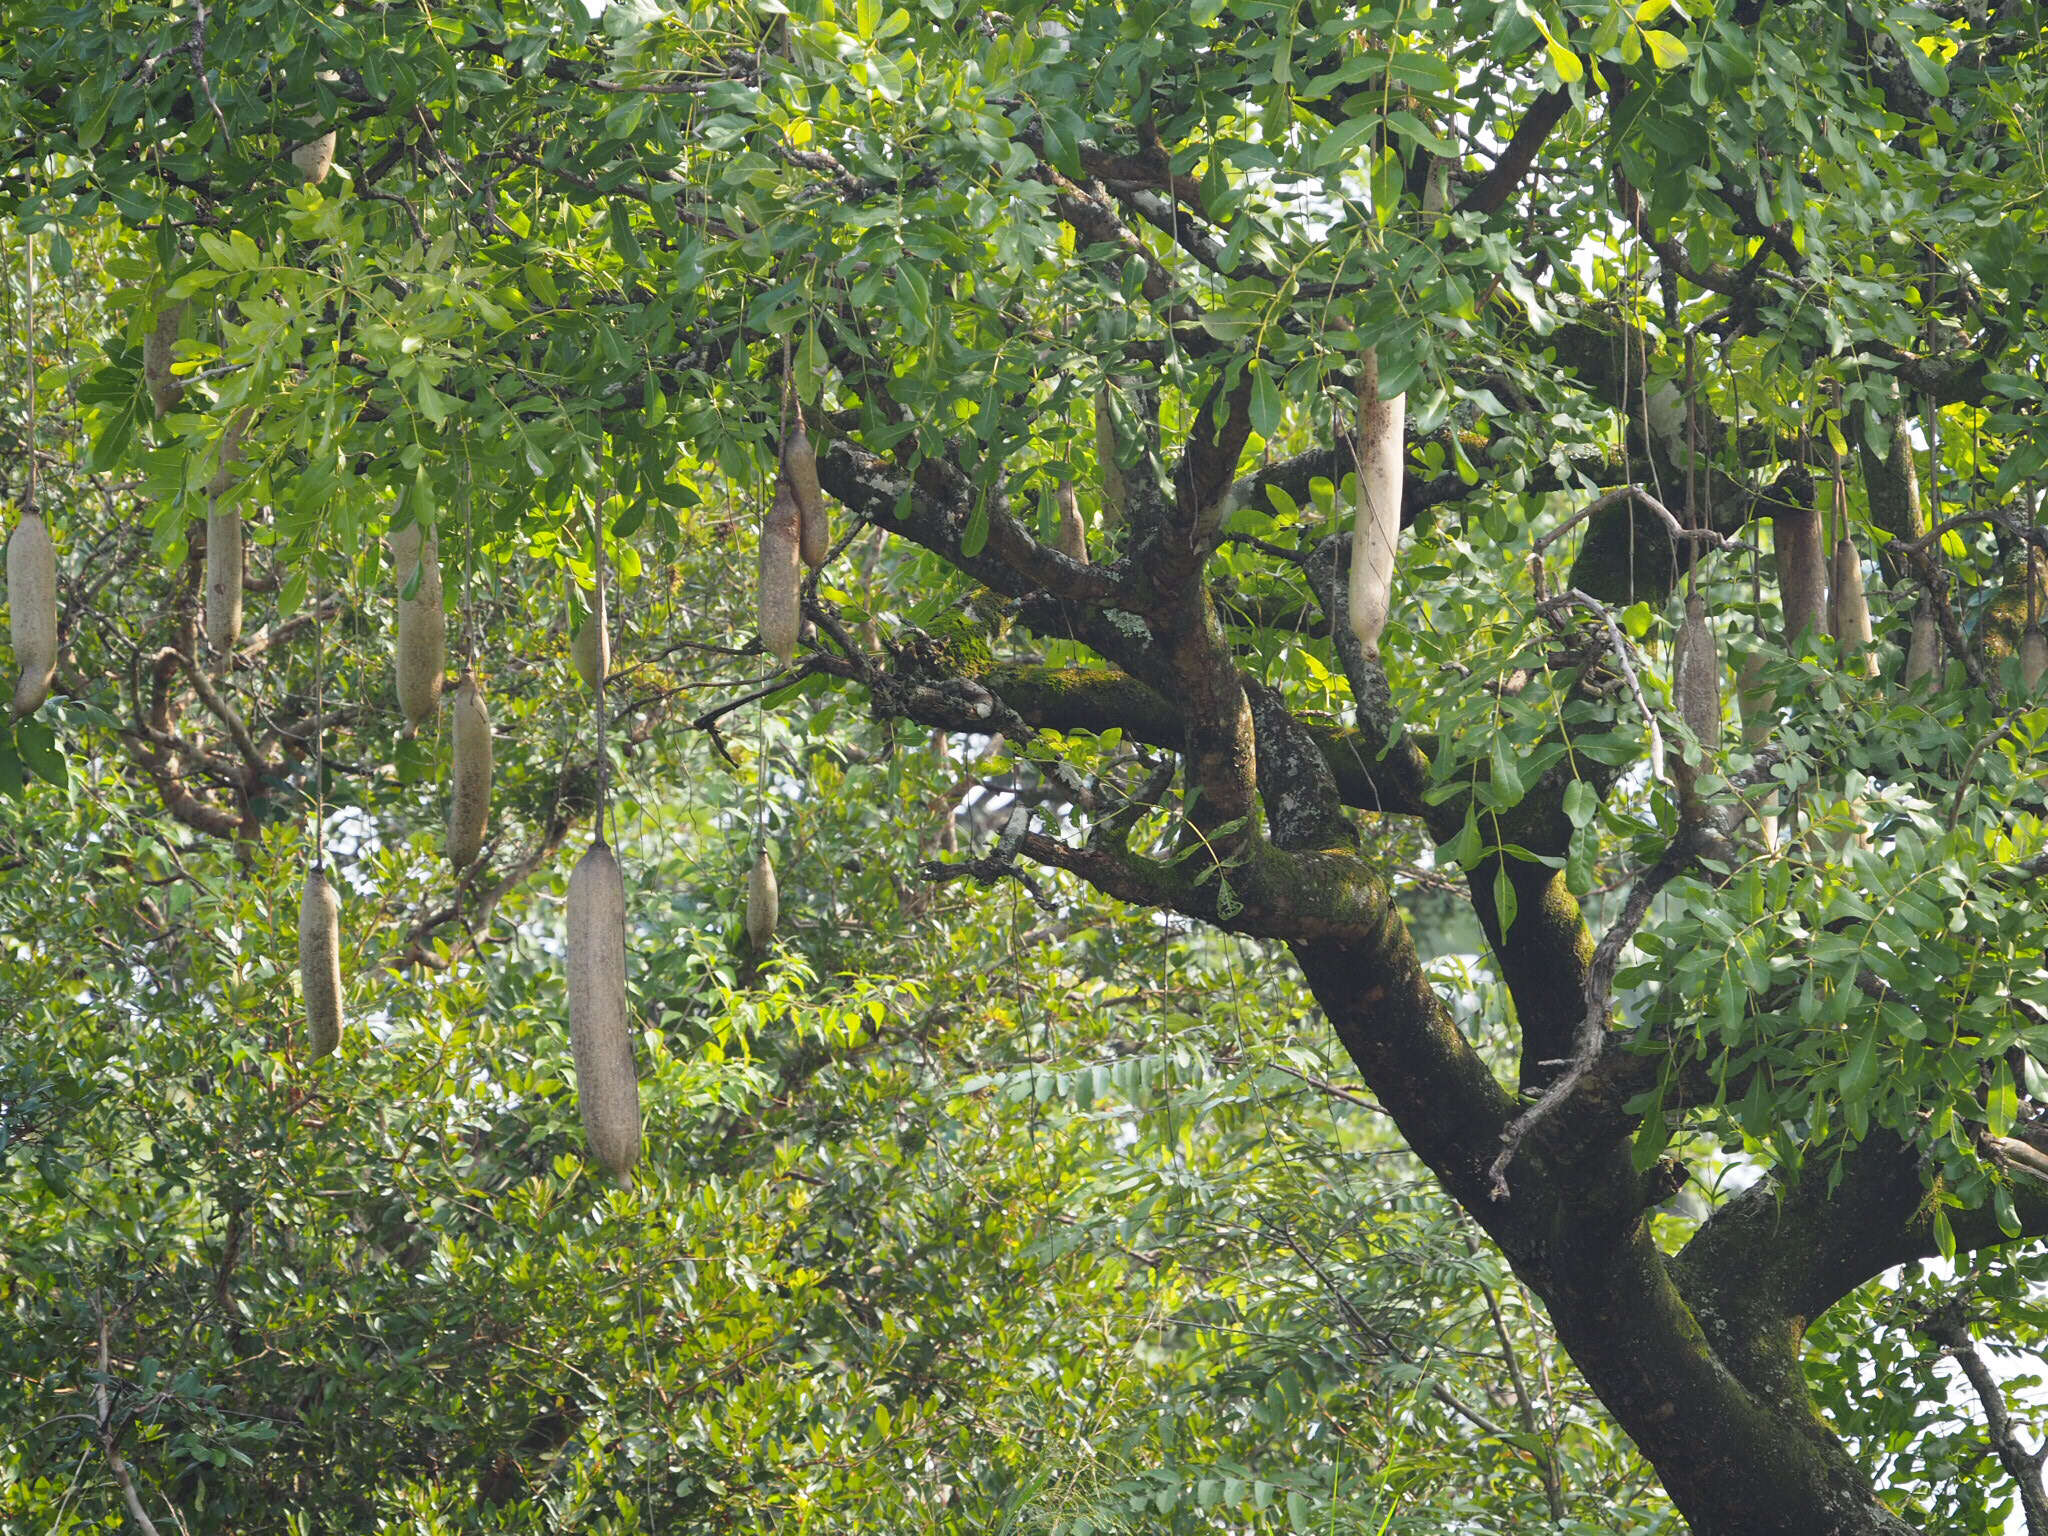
{"type": "Point", "coordinates": [574, 264]}
{"type": "Point", "coordinates": [946, 1223]}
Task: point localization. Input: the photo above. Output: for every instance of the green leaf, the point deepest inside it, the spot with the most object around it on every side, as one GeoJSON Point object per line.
{"type": "Point", "coordinates": [1267, 407]}
{"type": "Point", "coordinates": [1666, 51]}
{"type": "Point", "coordinates": [36, 742]}
{"type": "Point", "coordinates": [1859, 1075]}
{"type": "Point", "coordinates": [1927, 71]}
{"type": "Point", "coordinates": [1060, 147]}
{"type": "Point", "coordinates": [1504, 772]}
{"type": "Point", "coordinates": [1465, 849]}
{"type": "Point", "coordinates": [414, 760]}
{"type": "Point", "coordinates": [13, 781]}
{"type": "Point", "coordinates": [1581, 802]}
{"type": "Point", "coordinates": [1579, 867]}
{"type": "Point", "coordinates": [975, 538]}
{"type": "Point", "coordinates": [1503, 897]}
{"type": "Point", "coordinates": [2002, 1103]}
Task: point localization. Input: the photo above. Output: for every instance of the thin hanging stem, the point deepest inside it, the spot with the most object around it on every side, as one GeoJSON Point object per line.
{"type": "Point", "coordinates": [468, 567]}
{"type": "Point", "coordinates": [604, 757]}
{"type": "Point", "coordinates": [319, 705]}
{"type": "Point", "coordinates": [1933, 462]}
{"type": "Point", "coordinates": [1934, 495]}
{"type": "Point", "coordinates": [789, 400]}
{"type": "Point", "coordinates": [2033, 561]}
{"type": "Point", "coordinates": [761, 759]}
{"type": "Point", "coordinates": [29, 245]}
{"type": "Point", "coordinates": [1838, 509]}
{"type": "Point", "coordinates": [1694, 517]}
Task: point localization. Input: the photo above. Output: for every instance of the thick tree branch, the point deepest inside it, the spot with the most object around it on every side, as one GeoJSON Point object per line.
{"type": "Point", "coordinates": [1537, 124]}
{"type": "Point", "coordinates": [1788, 1250]}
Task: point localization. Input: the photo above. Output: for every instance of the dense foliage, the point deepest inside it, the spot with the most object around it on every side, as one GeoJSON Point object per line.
{"type": "Point", "coordinates": [1023, 1180]}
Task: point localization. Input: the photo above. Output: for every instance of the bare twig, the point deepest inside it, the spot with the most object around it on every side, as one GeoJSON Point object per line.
{"type": "Point", "coordinates": [196, 47]}
{"type": "Point", "coordinates": [1525, 1406]}
{"type": "Point", "coordinates": [1384, 1343]}
{"type": "Point", "coordinates": [1334, 1090]}
{"type": "Point", "coordinates": [1575, 598]}
{"type": "Point", "coordinates": [108, 1438]}
{"type": "Point", "coordinates": [789, 677]}
{"type": "Point", "coordinates": [1592, 1032]}
{"type": "Point", "coordinates": [999, 865]}
{"type": "Point", "coordinates": [1672, 525]}
{"type": "Point", "coordinates": [1948, 1327]}
{"type": "Point", "coordinates": [1991, 739]}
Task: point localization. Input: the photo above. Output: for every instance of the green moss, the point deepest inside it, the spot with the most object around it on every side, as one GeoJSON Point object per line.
{"type": "Point", "coordinates": [960, 645]}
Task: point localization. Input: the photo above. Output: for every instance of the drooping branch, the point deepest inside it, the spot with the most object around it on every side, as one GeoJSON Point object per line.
{"type": "Point", "coordinates": [1536, 126]}
{"type": "Point", "coordinates": [1794, 1248]}
{"type": "Point", "coordinates": [1949, 1327]}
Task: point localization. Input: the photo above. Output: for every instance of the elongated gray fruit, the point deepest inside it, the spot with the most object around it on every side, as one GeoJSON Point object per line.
{"type": "Point", "coordinates": [1852, 610]}
{"type": "Point", "coordinates": [1802, 575]}
{"type": "Point", "coordinates": [469, 788]}
{"type": "Point", "coordinates": [764, 902]}
{"type": "Point", "coordinates": [315, 157]}
{"type": "Point", "coordinates": [781, 593]}
{"type": "Point", "coordinates": [32, 610]}
{"type": "Point", "coordinates": [2033, 659]}
{"type": "Point", "coordinates": [1115, 492]}
{"type": "Point", "coordinates": [320, 962]}
{"type": "Point", "coordinates": [1696, 675]}
{"type": "Point", "coordinates": [164, 390]}
{"type": "Point", "coordinates": [590, 648]}
{"type": "Point", "coordinates": [1923, 650]}
{"type": "Point", "coordinates": [223, 576]}
{"type": "Point", "coordinates": [814, 523]}
{"type": "Point", "coordinates": [1696, 690]}
{"type": "Point", "coordinates": [1376, 528]}
{"type": "Point", "coordinates": [1072, 538]}
{"type": "Point", "coordinates": [422, 623]}
{"type": "Point", "coordinates": [607, 1088]}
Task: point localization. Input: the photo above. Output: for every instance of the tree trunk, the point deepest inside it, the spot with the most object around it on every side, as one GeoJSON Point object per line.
{"type": "Point", "coordinates": [1713, 1399]}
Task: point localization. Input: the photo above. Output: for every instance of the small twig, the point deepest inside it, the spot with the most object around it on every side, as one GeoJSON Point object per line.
{"type": "Point", "coordinates": [2026, 532]}
{"type": "Point", "coordinates": [1385, 1344]}
{"type": "Point", "coordinates": [2015, 1156]}
{"type": "Point", "coordinates": [115, 1464]}
{"type": "Point", "coordinates": [419, 232]}
{"type": "Point", "coordinates": [225, 712]}
{"type": "Point", "coordinates": [1576, 598]}
{"type": "Point", "coordinates": [999, 865]}
{"type": "Point", "coordinates": [1525, 1406]}
{"type": "Point", "coordinates": [1265, 547]}
{"type": "Point", "coordinates": [1334, 1090]}
{"type": "Point", "coordinates": [1991, 739]}
{"type": "Point", "coordinates": [787, 678]}
{"type": "Point", "coordinates": [197, 48]}
{"type": "Point", "coordinates": [1948, 1327]}
{"type": "Point", "coordinates": [1600, 503]}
